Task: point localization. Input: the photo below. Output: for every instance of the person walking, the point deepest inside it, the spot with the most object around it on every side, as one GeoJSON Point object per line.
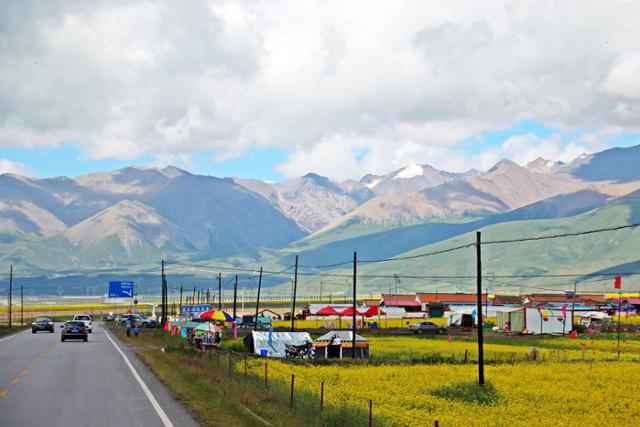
{"type": "Point", "coordinates": [128, 327]}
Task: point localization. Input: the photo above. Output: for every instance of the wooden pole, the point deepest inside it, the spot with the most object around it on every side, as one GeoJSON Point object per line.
{"type": "Point", "coordinates": [255, 325]}
{"type": "Point", "coordinates": [479, 310]}
{"type": "Point", "coordinates": [321, 396]}
{"type": "Point", "coordinates": [293, 378]}
{"type": "Point", "coordinates": [295, 288]}
{"type": "Point", "coordinates": [370, 413]}
{"type": "Point", "coordinates": [353, 327]}
{"type": "Point", "coordinates": [10, 292]}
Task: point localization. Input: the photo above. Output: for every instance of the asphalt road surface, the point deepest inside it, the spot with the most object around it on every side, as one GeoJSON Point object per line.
{"type": "Point", "coordinates": [45, 382]}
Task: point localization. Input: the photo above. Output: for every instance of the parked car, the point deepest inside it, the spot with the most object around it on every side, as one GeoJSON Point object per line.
{"type": "Point", "coordinates": [74, 330]}
{"type": "Point", "coordinates": [122, 317]}
{"type": "Point", "coordinates": [108, 317]}
{"type": "Point", "coordinates": [138, 319]}
{"type": "Point", "coordinates": [42, 323]}
{"type": "Point", "coordinates": [427, 328]}
{"type": "Point", "coordinates": [84, 318]}
{"type": "Point", "coordinates": [144, 321]}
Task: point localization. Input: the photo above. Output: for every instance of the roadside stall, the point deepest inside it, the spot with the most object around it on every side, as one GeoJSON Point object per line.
{"type": "Point", "coordinates": [339, 344]}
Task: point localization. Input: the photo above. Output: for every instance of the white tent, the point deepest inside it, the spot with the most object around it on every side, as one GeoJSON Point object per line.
{"type": "Point", "coordinates": [273, 344]}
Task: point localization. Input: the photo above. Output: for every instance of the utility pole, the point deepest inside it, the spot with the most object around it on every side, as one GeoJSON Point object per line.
{"type": "Point", "coordinates": [22, 308]}
{"type": "Point", "coordinates": [243, 289]}
{"type": "Point", "coordinates": [181, 289]}
{"type": "Point", "coordinates": [573, 305]}
{"type": "Point", "coordinates": [353, 327]}
{"type": "Point", "coordinates": [235, 296]}
{"type": "Point", "coordinates": [193, 298]}
{"type": "Point", "coordinates": [320, 291]}
{"type": "Point", "coordinates": [295, 288]}
{"type": "Point", "coordinates": [10, 291]}
{"type": "Point", "coordinates": [479, 310]}
{"type": "Point", "coordinates": [163, 312]}
{"type": "Point", "coordinates": [255, 324]}
{"type": "Point", "coordinates": [219, 291]}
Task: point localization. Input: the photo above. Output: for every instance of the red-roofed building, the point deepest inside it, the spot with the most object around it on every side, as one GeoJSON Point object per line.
{"type": "Point", "coordinates": [409, 302]}
{"type": "Point", "coordinates": [507, 300]}
{"type": "Point", "coordinates": [450, 298]}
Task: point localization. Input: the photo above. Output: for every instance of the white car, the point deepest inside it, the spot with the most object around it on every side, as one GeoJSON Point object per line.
{"type": "Point", "coordinates": [84, 318]}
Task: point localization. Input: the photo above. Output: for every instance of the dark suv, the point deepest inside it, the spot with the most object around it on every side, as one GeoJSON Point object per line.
{"type": "Point", "coordinates": [42, 323]}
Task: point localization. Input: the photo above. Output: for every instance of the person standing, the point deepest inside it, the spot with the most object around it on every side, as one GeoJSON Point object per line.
{"type": "Point", "coordinates": [129, 327]}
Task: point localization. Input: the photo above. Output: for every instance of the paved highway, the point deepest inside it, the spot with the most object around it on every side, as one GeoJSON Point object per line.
{"type": "Point", "coordinates": [45, 382]}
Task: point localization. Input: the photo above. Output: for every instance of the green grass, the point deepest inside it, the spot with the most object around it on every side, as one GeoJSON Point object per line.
{"type": "Point", "coordinates": [5, 330]}
{"type": "Point", "coordinates": [218, 396]}
{"type": "Point", "coordinates": [468, 392]}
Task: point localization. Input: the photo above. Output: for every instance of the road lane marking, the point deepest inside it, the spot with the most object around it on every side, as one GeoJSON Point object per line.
{"type": "Point", "coordinates": [24, 371]}
{"type": "Point", "coordinates": [163, 416]}
{"type": "Point", "coordinates": [4, 392]}
{"type": "Point", "coordinates": [15, 381]}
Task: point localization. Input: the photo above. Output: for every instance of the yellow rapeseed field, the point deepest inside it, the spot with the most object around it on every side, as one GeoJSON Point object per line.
{"type": "Point", "coordinates": [540, 394]}
{"type": "Point", "coordinates": [407, 347]}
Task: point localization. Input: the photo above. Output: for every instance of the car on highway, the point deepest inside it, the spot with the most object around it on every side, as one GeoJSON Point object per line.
{"type": "Point", "coordinates": [42, 323]}
{"type": "Point", "coordinates": [74, 330]}
{"type": "Point", "coordinates": [427, 328]}
{"type": "Point", "coordinates": [86, 319]}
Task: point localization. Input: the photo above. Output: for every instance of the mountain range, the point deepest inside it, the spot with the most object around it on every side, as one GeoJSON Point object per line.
{"type": "Point", "coordinates": [135, 216]}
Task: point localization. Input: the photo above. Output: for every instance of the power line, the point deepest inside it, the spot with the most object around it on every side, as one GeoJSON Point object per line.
{"type": "Point", "coordinates": [556, 236]}
{"type": "Point", "coordinates": [418, 255]}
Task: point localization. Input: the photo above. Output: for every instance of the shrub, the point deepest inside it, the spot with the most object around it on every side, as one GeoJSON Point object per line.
{"type": "Point", "coordinates": [468, 392]}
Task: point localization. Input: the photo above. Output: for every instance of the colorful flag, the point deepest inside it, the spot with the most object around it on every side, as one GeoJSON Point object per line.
{"type": "Point", "coordinates": [270, 336]}
{"type": "Point", "coordinates": [564, 310]}
{"type": "Point", "coordinates": [173, 330]}
{"type": "Point", "coordinates": [618, 282]}
{"type": "Point", "coordinates": [235, 331]}
{"type": "Point", "coordinates": [166, 325]}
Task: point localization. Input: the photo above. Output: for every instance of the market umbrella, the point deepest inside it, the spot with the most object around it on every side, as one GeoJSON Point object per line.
{"type": "Point", "coordinates": [206, 327]}
{"type": "Point", "coordinates": [219, 315]}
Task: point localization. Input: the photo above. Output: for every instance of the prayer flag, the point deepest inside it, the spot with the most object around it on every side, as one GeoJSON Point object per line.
{"type": "Point", "coordinates": [173, 330]}
{"type": "Point", "coordinates": [618, 282]}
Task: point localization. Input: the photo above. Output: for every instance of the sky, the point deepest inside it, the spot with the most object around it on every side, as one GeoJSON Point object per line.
{"type": "Point", "coordinates": [273, 90]}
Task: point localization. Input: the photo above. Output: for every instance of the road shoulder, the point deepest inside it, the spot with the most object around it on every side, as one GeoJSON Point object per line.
{"type": "Point", "coordinates": [177, 413]}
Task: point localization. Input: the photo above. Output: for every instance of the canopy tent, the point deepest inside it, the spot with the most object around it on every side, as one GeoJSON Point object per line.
{"type": "Point", "coordinates": [373, 311]}
{"type": "Point", "coordinates": [349, 312]}
{"type": "Point", "coordinates": [273, 344]}
{"type": "Point", "coordinates": [327, 311]}
{"type": "Point", "coordinates": [339, 344]}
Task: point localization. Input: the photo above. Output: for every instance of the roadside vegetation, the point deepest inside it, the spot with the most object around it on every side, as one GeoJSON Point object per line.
{"type": "Point", "coordinates": [410, 381]}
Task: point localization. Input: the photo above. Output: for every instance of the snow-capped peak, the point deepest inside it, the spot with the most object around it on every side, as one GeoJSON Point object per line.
{"type": "Point", "coordinates": [373, 183]}
{"type": "Point", "coordinates": [409, 172]}
{"type": "Point", "coordinates": [541, 165]}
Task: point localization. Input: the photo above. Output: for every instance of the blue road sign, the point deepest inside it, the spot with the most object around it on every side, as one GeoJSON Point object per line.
{"type": "Point", "coordinates": [195, 310]}
{"type": "Point", "coordinates": [120, 289]}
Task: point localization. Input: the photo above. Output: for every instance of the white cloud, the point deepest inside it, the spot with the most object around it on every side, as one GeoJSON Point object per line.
{"type": "Point", "coordinates": [7, 166]}
{"type": "Point", "coordinates": [125, 79]}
